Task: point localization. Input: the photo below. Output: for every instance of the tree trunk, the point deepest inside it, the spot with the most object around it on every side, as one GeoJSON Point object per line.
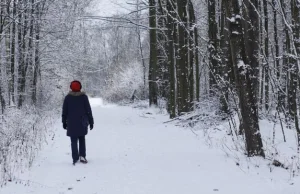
{"type": "Point", "coordinates": [294, 70]}
{"type": "Point", "coordinates": [36, 55]}
{"type": "Point", "coordinates": [251, 33]}
{"type": "Point", "coordinates": [183, 67]}
{"type": "Point", "coordinates": [171, 57]}
{"type": "Point", "coordinates": [286, 58]}
{"type": "Point", "coordinates": [225, 66]}
{"type": "Point", "coordinates": [153, 54]}
{"type": "Point", "coordinates": [280, 102]}
{"type": "Point", "coordinates": [213, 44]}
{"type": "Point", "coordinates": [197, 65]}
{"type": "Point", "coordinates": [8, 40]}
{"type": "Point", "coordinates": [21, 51]}
{"type": "Point", "coordinates": [23, 66]}
{"type": "Point", "coordinates": [12, 55]}
{"type": "Point", "coordinates": [191, 55]}
{"type": "Point", "coordinates": [2, 21]}
{"type": "Point", "coordinates": [244, 81]}
{"type": "Point", "coordinates": [141, 50]}
{"type": "Point", "coordinates": [266, 65]}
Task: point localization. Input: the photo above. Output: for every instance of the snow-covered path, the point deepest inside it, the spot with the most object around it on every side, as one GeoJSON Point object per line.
{"type": "Point", "coordinates": [131, 152]}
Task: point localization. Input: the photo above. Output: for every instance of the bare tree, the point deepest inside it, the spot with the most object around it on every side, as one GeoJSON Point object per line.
{"type": "Point", "coordinates": [244, 74]}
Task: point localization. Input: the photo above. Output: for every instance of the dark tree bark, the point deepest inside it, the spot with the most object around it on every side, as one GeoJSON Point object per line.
{"type": "Point", "coordinates": [280, 102]}
{"type": "Point", "coordinates": [182, 66]}
{"type": "Point", "coordinates": [171, 56]}
{"type": "Point", "coordinates": [163, 69]}
{"type": "Point", "coordinates": [225, 66]}
{"type": "Point", "coordinates": [153, 54]}
{"type": "Point", "coordinates": [191, 52]}
{"type": "Point", "coordinates": [251, 33]}
{"type": "Point", "coordinates": [244, 80]}
{"type": "Point", "coordinates": [197, 65]}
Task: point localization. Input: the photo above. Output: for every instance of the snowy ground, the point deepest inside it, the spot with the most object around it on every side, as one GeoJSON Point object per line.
{"type": "Point", "coordinates": [132, 152]}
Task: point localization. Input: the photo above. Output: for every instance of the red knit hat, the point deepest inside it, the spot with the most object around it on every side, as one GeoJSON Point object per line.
{"type": "Point", "coordinates": [75, 86]}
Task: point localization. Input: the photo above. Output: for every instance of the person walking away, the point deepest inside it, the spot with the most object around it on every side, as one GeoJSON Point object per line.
{"type": "Point", "coordinates": [76, 117]}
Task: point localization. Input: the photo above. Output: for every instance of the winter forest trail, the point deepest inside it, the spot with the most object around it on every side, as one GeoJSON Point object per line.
{"type": "Point", "coordinates": [132, 152]}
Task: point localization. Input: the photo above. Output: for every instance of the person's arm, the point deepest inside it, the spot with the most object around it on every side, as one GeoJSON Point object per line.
{"type": "Point", "coordinates": [65, 113]}
{"type": "Point", "coordinates": [89, 112]}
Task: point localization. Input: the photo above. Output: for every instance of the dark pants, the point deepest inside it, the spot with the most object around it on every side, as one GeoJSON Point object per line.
{"type": "Point", "coordinates": [74, 145]}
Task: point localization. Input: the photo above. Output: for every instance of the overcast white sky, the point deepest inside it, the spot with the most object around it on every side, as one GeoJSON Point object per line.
{"type": "Point", "coordinates": [109, 7]}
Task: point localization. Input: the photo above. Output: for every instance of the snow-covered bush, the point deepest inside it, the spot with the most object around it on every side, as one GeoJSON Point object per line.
{"type": "Point", "coordinates": [125, 83]}
{"type": "Point", "coordinates": [22, 134]}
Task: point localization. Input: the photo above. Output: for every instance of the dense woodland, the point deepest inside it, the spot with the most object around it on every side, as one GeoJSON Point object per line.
{"type": "Point", "coordinates": [31, 34]}
{"type": "Point", "coordinates": [242, 56]}
{"type": "Point", "coordinates": [250, 53]}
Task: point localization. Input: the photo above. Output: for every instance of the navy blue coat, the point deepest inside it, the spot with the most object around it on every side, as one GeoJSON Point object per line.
{"type": "Point", "coordinates": [77, 114]}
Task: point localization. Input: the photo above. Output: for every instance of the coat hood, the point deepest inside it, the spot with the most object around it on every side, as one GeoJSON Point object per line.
{"type": "Point", "coordinates": [76, 93]}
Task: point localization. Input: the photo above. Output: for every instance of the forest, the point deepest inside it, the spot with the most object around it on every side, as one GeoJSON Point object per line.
{"type": "Point", "coordinates": [222, 61]}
